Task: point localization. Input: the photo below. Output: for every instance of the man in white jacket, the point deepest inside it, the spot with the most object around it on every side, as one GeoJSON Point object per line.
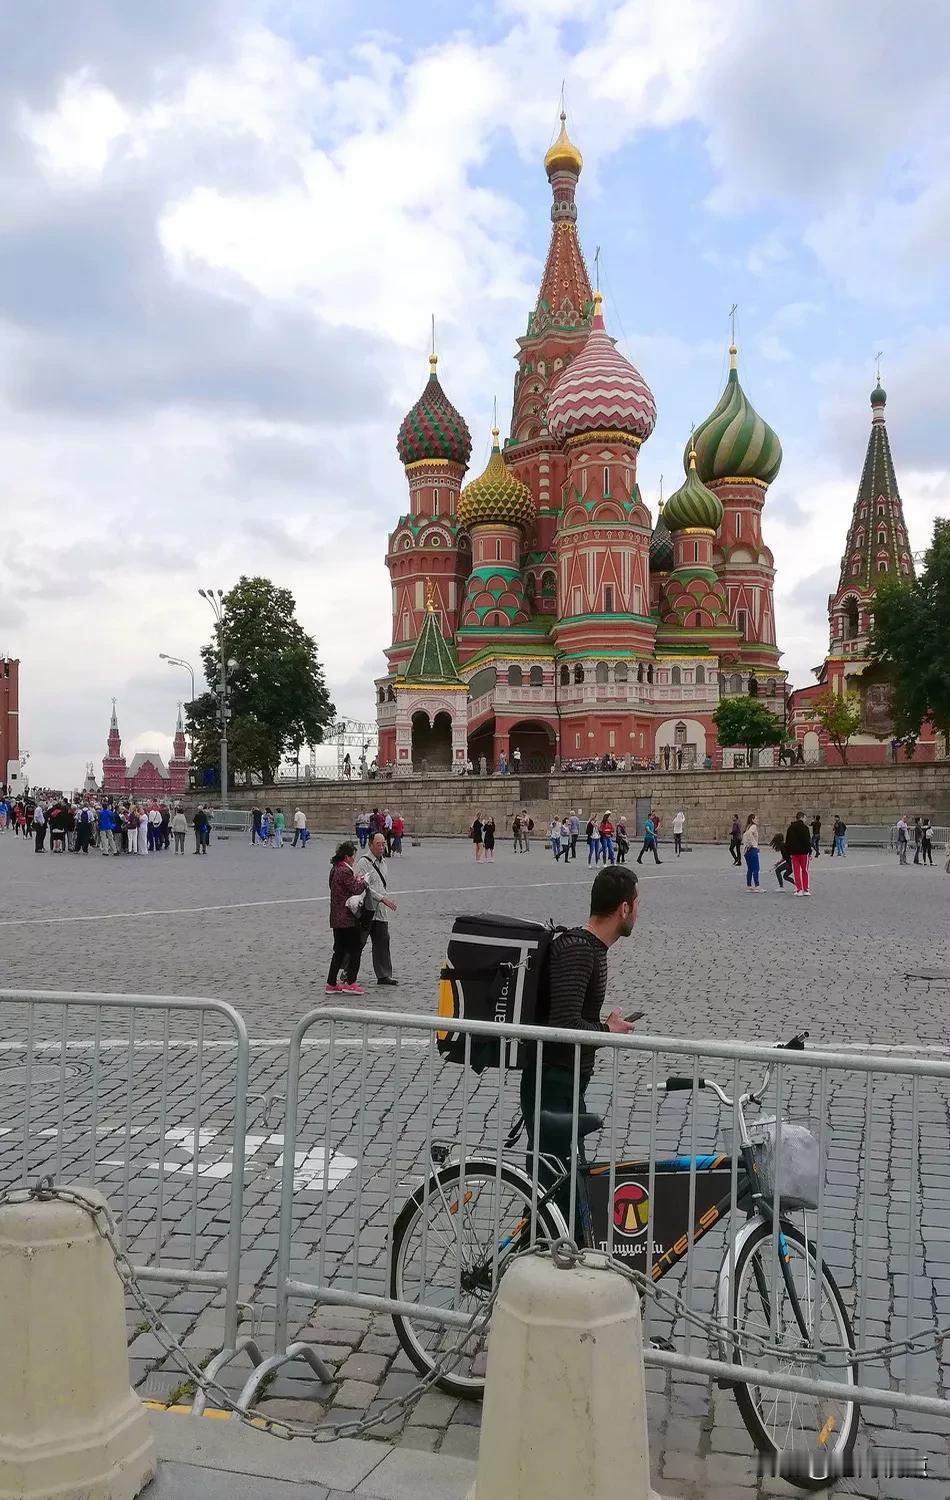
{"type": "Point", "coordinates": [370, 866]}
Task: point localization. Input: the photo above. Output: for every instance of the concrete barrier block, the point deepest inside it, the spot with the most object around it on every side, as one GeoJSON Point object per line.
{"type": "Point", "coordinates": [71, 1427]}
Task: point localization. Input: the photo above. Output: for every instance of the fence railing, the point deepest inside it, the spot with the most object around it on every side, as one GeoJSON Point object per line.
{"type": "Point", "coordinates": [145, 1098]}
{"type": "Point", "coordinates": [389, 1233]}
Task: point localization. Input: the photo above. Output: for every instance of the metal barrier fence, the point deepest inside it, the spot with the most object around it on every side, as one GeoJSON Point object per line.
{"type": "Point", "coordinates": [145, 1098]}
{"type": "Point", "coordinates": [423, 1196]}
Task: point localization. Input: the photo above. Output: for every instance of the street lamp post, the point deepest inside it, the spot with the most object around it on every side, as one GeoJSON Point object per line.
{"type": "Point", "coordinates": [179, 661]}
{"type": "Point", "coordinates": [216, 600]}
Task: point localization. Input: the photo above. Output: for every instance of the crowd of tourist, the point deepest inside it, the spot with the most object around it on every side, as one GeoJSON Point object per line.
{"type": "Point", "coordinates": [109, 825]}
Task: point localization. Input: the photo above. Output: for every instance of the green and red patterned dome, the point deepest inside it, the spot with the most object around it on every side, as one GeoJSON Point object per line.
{"type": "Point", "coordinates": [497, 495]}
{"type": "Point", "coordinates": [433, 428]}
{"type": "Point", "coordinates": [734, 442]}
{"type": "Point", "coordinates": [692, 505]}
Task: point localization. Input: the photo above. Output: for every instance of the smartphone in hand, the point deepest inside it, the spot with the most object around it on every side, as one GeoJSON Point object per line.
{"type": "Point", "coordinates": [635, 1015]}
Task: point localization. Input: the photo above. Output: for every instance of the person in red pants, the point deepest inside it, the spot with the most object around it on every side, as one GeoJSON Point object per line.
{"type": "Point", "coordinates": [798, 845]}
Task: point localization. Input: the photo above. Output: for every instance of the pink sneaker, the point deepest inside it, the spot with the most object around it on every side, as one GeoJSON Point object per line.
{"type": "Point", "coordinates": [350, 989]}
{"type": "Point", "coordinates": [333, 989]}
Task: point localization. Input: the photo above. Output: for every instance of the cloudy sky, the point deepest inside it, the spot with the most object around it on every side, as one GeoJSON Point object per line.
{"type": "Point", "coordinates": [226, 224]}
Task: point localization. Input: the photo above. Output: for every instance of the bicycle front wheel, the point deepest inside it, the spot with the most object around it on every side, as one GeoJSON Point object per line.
{"type": "Point", "coordinates": [451, 1243]}
{"type": "Point", "coordinates": [809, 1435]}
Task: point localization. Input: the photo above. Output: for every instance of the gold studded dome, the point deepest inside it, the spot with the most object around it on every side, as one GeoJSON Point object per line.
{"type": "Point", "coordinates": [563, 156]}
{"type": "Point", "coordinates": [495, 495]}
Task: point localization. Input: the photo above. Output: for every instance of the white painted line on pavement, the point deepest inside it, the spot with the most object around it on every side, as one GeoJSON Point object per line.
{"type": "Point", "coordinates": [431, 890]}
{"type": "Point", "coordinates": [121, 1044]}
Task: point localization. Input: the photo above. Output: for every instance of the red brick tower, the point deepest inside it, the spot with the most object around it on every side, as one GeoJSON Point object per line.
{"type": "Point", "coordinates": [10, 722]}
{"type": "Point", "coordinates": [557, 331]}
{"type": "Point", "coordinates": [113, 764]}
{"type": "Point", "coordinates": [426, 547]}
{"type": "Point", "coordinates": [178, 765]}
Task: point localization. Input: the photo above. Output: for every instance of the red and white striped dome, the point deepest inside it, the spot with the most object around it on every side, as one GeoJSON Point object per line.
{"type": "Point", "coordinates": [601, 391]}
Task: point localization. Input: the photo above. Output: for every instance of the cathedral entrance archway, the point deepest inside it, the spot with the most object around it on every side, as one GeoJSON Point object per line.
{"type": "Point", "coordinates": [431, 741]}
{"type": "Point", "coordinates": [850, 619]}
{"type": "Point", "coordinates": [536, 742]}
{"type": "Point", "coordinates": [481, 742]}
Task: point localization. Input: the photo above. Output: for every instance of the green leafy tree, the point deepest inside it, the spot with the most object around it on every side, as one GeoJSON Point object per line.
{"type": "Point", "coordinates": [747, 722]}
{"type": "Point", "coordinates": [911, 641]}
{"type": "Point", "coordinates": [840, 716]}
{"type": "Point", "coordinates": [278, 696]}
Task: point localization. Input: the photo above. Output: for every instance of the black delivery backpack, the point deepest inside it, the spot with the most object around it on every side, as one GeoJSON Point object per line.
{"type": "Point", "coordinates": [494, 971]}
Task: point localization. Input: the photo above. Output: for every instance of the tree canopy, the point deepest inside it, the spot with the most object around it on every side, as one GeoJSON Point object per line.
{"type": "Point", "coordinates": [840, 717]}
{"type": "Point", "coordinates": [747, 722]}
{"type": "Point", "coordinates": [911, 640]}
{"type": "Point", "coordinates": [278, 696]}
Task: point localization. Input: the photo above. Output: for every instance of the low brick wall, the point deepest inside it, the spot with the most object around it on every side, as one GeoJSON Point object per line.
{"type": "Point", "coordinates": [447, 805]}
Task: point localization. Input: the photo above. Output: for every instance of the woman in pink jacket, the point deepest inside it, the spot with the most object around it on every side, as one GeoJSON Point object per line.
{"type": "Point", "coordinates": [347, 939]}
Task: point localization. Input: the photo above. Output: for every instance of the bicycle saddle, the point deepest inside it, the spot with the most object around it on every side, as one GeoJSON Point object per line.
{"type": "Point", "coordinates": [558, 1129]}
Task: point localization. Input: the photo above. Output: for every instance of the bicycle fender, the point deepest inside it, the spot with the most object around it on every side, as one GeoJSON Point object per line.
{"type": "Point", "coordinates": [724, 1291]}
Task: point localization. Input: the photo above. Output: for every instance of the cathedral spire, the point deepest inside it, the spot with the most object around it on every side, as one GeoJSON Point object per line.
{"type": "Point", "coordinates": [564, 299]}
{"type": "Point", "coordinates": [877, 539]}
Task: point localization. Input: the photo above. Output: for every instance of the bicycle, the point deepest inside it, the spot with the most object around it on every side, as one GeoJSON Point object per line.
{"type": "Point", "coordinates": [455, 1233]}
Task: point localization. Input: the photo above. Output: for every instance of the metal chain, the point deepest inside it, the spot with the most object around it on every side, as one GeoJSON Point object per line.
{"type": "Point", "coordinates": [564, 1253]}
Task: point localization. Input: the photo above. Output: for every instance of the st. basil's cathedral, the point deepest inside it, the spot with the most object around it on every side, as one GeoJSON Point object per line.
{"type": "Point", "coordinates": [538, 607]}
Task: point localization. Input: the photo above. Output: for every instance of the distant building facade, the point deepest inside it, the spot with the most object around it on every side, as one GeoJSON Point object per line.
{"type": "Point", "coordinates": [10, 722]}
{"type": "Point", "coordinates": [147, 777]}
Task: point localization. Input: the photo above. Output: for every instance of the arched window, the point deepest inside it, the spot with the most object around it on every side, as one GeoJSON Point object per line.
{"type": "Point", "coordinates": [601, 673]}
{"type": "Point", "coordinates": [382, 695]}
{"type": "Point", "coordinates": [882, 566]}
{"type": "Point", "coordinates": [676, 676]}
{"type": "Point", "coordinates": [770, 687]}
{"type": "Point", "coordinates": [650, 672]}
{"type": "Point", "coordinates": [514, 676]}
{"type": "Point", "coordinates": [640, 671]}
{"type": "Point", "coordinates": [565, 676]}
{"type": "Point", "coordinates": [859, 539]}
{"type": "Point", "coordinates": [700, 675]}
{"type": "Point", "coordinates": [498, 550]}
{"type": "Point", "coordinates": [390, 695]}
{"type": "Point", "coordinates": [741, 622]}
{"type": "Point", "coordinates": [536, 676]}
{"type": "Point", "coordinates": [882, 538]}
{"type": "Point", "coordinates": [735, 683]}
{"type": "Point", "coordinates": [606, 480]}
{"type": "Point", "coordinates": [578, 673]}
{"type": "Point", "coordinates": [620, 672]}
{"type": "Point", "coordinates": [855, 568]}
{"type": "Point", "coordinates": [850, 619]}
{"type": "Point", "coordinates": [435, 501]}
{"type": "Point", "coordinates": [695, 552]}
{"type": "Point", "coordinates": [548, 585]}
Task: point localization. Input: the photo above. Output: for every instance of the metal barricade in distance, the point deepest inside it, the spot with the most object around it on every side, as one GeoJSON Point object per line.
{"type": "Point", "coordinates": [412, 1200]}
{"type": "Point", "coordinates": [145, 1098]}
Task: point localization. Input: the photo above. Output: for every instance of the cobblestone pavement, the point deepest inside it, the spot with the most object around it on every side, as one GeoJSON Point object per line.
{"type": "Point", "coordinates": [866, 961]}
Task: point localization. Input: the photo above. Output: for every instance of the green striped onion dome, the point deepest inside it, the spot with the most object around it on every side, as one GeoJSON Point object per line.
{"type": "Point", "coordinates": [661, 545]}
{"type": "Point", "coordinates": [495, 495]}
{"type": "Point", "coordinates": [692, 504]}
{"type": "Point", "coordinates": [734, 442]}
{"type": "Point", "coordinates": [433, 428]}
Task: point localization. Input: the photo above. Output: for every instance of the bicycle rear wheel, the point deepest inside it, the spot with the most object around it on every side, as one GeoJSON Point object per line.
{"type": "Point", "coordinates": [451, 1243]}
{"type": "Point", "coordinates": [807, 1434]}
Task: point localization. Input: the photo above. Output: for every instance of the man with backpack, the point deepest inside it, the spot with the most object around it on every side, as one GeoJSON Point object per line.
{"type": "Point", "coordinates": [574, 994]}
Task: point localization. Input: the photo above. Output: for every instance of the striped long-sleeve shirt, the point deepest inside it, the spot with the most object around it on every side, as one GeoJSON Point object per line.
{"type": "Point", "coordinates": [577, 988]}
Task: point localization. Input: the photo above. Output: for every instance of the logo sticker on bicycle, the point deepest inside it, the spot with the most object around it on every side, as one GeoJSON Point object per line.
{"type": "Point", "coordinates": [631, 1210]}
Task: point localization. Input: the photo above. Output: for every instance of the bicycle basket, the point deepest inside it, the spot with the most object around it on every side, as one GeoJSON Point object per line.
{"type": "Point", "coordinates": [800, 1165]}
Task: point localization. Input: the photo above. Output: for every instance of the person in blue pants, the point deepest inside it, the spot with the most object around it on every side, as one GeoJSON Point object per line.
{"type": "Point", "coordinates": [750, 850]}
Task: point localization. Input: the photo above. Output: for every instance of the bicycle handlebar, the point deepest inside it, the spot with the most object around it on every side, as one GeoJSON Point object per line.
{"type": "Point", "coordinates": [679, 1082]}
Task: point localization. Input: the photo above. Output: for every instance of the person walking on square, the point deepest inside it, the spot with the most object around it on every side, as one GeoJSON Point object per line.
{"type": "Point", "coordinates": [399, 829]}
{"type": "Point", "coordinates": [388, 832]}
{"type": "Point", "coordinates": [816, 835]}
{"type": "Point", "coordinates": [516, 760]}
{"type": "Point", "coordinates": [918, 836]}
{"type": "Point", "coordinates": [927, 842]}
{"type": "Point", "coordinates": [649, 841]}
{"type": "Point", "coordinates": [606, 830]}
{"type": "Point", "coordinates": [344, 923]}
{"type": "Point", "coordinates": [679, 823]}
{"type": "Point", "coordinates": [300, 829]}
{"type": "Point", "coordinates": [107, 830]}
{"type": "Point", "coordinates": [369, 867]}
{"type": "Point", "coordinates": [554, 834]}
{"type": "Point", "coordinates": [837, 838]}
{"type": "Point", "coordinates": [593, 842]}
{"type": "Point", "coordinates": [256, 816]}
{"type": "Point", "coordinates": [279, 822]}
{"type": "Point", "coordinates": [623, 842]}
{"type": "Point", "coordinates": [574, 827]}
{"type": "Point", "coordinates": [83, 829]}
{"type": "Point", "coordinates": [750, 851]}
{"type": "Point", "coordinates": [476, 833]}
{"type": "Point", "coordinates": [798, 845]}
{"type": "Point", "coordinates": [735, 840]}
{"type": "Point", "coordinates": [179, 829]}
{"type": "Point", "coordinates": [488, 839]}
{"type": "Point", "coordinates": [199, 822]}
{"type": "Point", "coordinates": [903, 834]}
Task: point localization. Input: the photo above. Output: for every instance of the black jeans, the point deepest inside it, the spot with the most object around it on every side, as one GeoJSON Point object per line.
{"type": "Point", "coordinates": [648, 845]}
{"type": "Point", "coordinates": [347, 948]}
{"type": "Point", "coordinates": [379, 941]}
{"type": "Point", "coordinates": [678, 843]}
{"type": "Point", "coordinates": [783, 872]}
{"type": "Point", "coordinates": [557, 1095]}
{"type": "Point", "coordinates": [735, 849]}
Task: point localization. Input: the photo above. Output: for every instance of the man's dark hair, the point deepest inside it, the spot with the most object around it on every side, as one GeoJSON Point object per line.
{"type": "Point", "coordinates": [610, 889]}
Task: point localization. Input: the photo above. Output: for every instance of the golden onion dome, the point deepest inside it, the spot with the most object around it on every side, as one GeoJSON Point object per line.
{"type": "Point", "coordinates": [495, 495]}
{"type": "Point", "coordinates": [563, 155]}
